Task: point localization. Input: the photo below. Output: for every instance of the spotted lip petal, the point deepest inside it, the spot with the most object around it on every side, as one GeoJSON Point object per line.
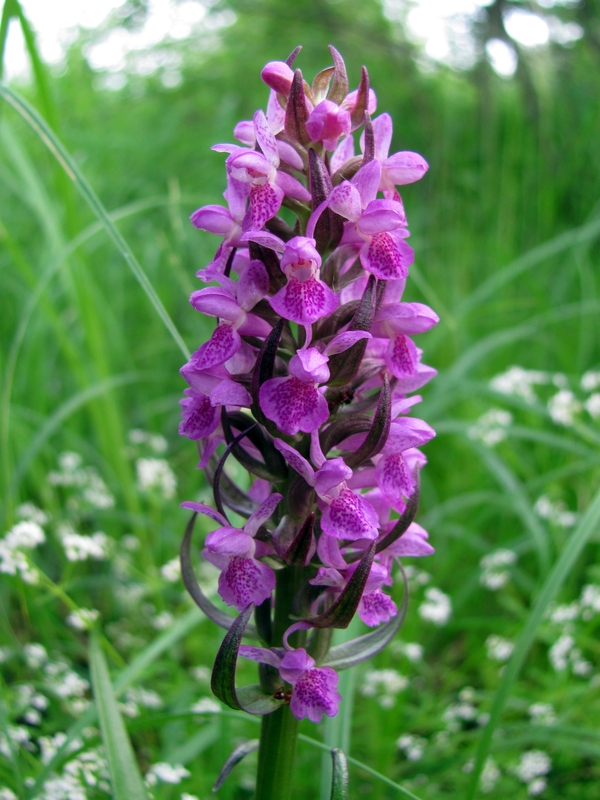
{"type": "Point", "coordinates": [293, 405]}
{"type": "Point", "coordinates": [349, 516]}
{"type": "Point", "coordinates": [304, 302]}
{"type": "Point", "coordinates": [221, 346]}
{"type": "Point", "coordinates": [245, 581]}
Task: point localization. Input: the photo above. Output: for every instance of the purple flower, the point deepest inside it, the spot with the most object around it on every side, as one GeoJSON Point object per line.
{"type": "Point", "coordinates": [327, 123]}
{"type": "Point", "coordinates": [314, 689]}
{"type": "Point", "coordinates": [244, 579]}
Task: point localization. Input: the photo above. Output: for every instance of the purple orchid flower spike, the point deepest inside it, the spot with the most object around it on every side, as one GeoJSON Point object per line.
{"type": "Point", "coordinates": [306, 382]}
{"type": "Point", "coordinates": [244, 579]}
{"type": "Point", "coordinates": [259, 171]}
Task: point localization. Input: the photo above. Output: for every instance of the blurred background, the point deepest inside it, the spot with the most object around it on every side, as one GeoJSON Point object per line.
{"type": "Point", "coordinates": [502, 99]}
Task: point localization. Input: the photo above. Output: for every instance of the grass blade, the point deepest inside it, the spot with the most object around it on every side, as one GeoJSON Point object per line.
{"type": "Point", "coordinates": [589, 524]}
{"type": "Point", "coordinates": [125, 776]}
{"type": "Point", "coordinates": [48, 137]}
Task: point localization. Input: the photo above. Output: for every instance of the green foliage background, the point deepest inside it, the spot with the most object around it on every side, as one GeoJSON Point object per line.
{"type": "Point", "coordinates": [505, 227]}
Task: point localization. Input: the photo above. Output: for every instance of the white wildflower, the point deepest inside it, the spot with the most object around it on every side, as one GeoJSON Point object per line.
{"type": "Point", "coordinates": [7, 794]}
{"type": "Point", "coordinates": [590, 380]}
{"type": "Point", "coordinates": [563, 407]}
{"type": "Point", "coordinates": [186, 796]}
{"type": "Point", "coordinates": [412, 650]}
{"type": "Point", "coordinates": [533, 764]}
{"type": "Point", "coordinates": [162, 621]}
{"type": "Point", "coordinates": [5, 654]}
{"type": "Point", "coordinates": [206, 705]}
{"type": "Point", "coordinates": [171, 571]}
{"type": "Point", "coordinates": [592, 405]}
{"type": "Point", "coordinates": [494, 574]}
{"type": "Point", "coordinates": [437, 606]}
{"type": "Point", "coordinates": [559, 652]}
{"type": "Point", "coordinates": [542, 714]}
{"type": "Point", "coordinates": [385, 684]}
{"type": "Point", "coordinates": [35, 655]}
{"type": "Point", "coordinates": [155, 474]}
{"type": "Point", "coordinates": [491, 427]}
{"type": "Point", "coordinates": [63, 681]}
{"type": "Point", "coordinates": [498, 649]}
{"type": "Point", "coordinates": [413, 746]}
{"type": "Point", "coordinates": [555, 512]}
{"type": "Point", "coordinates": [83, 619]}
{"type": "Point", "coordinates": [154, 441]}
{"type": "Point", "coordinates": [31, 513]}
{"type": "Point", "coordinates": [200, 674]}
{"type": "Point", "coordinates": [518, 382]}
{"type": "Point", "coordinates": [458, 713]}
{"type": "Point", "coordinates": [568, 612]}
{"type": "Point", "coordinates": [590, 601]}
{"type": "Point", "coordinates": [489, 775]}
{"type": "Point", "coordinates": [79, 548]}
{"type": "Point", "coordinates": [537, 786]}
{"type": "Point", "coordinates": [166, 773]}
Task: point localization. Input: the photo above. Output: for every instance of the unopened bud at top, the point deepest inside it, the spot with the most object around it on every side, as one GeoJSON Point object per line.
{"type": "Point", "coordinates": [278, 76]}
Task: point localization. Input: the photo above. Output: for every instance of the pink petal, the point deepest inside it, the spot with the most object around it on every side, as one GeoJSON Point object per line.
{"type": "Point", "coordinates": [304, 301]}
{"type": "Point", "coordinates": [386, 257]}
{"type": "Point", "coordinates": [367, 181]}
{"type": "Point", "coordinates": [200, 508]}
{"type": "Point", "coordinates": [376, 607]}
{"type": "Point", "coordinates": [262, 513]}
{"type": "Point", "coordinates": [275, 115]}
{"type": "Point", "coordinates": [265, 239]}
{"type": "Point", "coordinates": [345, 201]}
{"type": "Point", "coordinates": [244, 132]}
{"type": "Point", "coordinates": [381, 215]}
{"type": "Point", "coordinates": [293, 405]}
{"type": "Point", "coordinates": [252, 285]}
{"type": "Point", "coordinates": [350, 517]}
{"type": "Point", "coordinates": [199, 418]}
{"type": "Point", "coordinates": [422, 375]}
{"type": "Point", "coordinates": [260, 654]}
{"type": "Point", "coordinates": [315, 694]}
{"type": "Point", "coordinates": [214, 219]}
{"type": "Point", "coordinates": [294, 664]}
{"type": "Point", "coordinates": [401, 356]}
{"type": "Point", "coordinates": [405, 167]}
{"type": "Point", "coordinates": [292, 187]}
{"type": "Point", "coordinates": [265, 138]}
{"type": "Point", "coordinates": [278, 76]}
{"type": "Point", "coordinates": [289, 155]}
{"type": "Point", "coordinates": [345, 340]}
{"type": "Point", "coordinates": [394, 478]}
{"type": "Point", "coordinates": [230, 541]}
{"type": "Point", "coordinates": [220, 347]}
{"type": "Point", "coordinates": [296, 461]}
{"type": "Point", "coordinates": [265, 202]}
{"type": "Point", "coordinates": [408, 318]}
{"type": "Point", "coordinates": [344, 152]}
{"type": "Point", "coordinates": [382, 130]}
{"type": "Point", "coordinates": [407, 432]}
{"type": "Point", "coordinates": [215, 302]}
{"type": "Point", "coordinates": [230, 393]}
{"type": "Point", "coordinates": [309, 365]}
{"type": "Point", "coordinates": [330, 475]}
{"type": "Point", "coordinates": [412, 543]}
{"type": "Point", "coordinates": [246, 581]}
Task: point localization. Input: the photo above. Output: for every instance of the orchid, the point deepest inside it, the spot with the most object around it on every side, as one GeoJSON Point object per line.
{"type": "Point", "coordinates": [305, 382]}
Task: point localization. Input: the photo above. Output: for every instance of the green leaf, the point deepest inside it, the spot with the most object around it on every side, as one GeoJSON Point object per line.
{"type": "Point", "coordinates": [234, 759]}
{"type": "Point", "coordinates": [349, 654]}
{"type": "Point", "coordinates": [341, 612]}
{"type": "Point", "coordinates": [405, 520]}
{"type": "Point", "coordinates": [339, 779]}
{"type": "Point", "coordinates": [379, 430]}
{"type": "Point", "coordinates": [298, 553]}
{"type": "Point", "coordinates": [125, 776]}
{"type": "Point", "coordinates": [586, 528]}
{"type": "Point", "coordinates": [339, 87]}
{"type": "Point", "coordinates": [191, 584]}
{"type": "Point", "coordinates": [296, 113]}
{"type": "Point", "coordinates": [362, 100]}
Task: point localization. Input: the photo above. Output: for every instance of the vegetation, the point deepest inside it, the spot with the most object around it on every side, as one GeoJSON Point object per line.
{"type": "Point", "coordinates": [505, 227]}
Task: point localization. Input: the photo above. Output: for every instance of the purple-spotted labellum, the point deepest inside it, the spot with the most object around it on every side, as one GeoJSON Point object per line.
{"type": "Point", "coordinates": [305, 382]}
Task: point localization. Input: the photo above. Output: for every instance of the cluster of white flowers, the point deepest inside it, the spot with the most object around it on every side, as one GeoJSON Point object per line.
{"type": "Point", "coordinates": [162, 621]}
{"type": "Point", "coordinates": [564, 653]}
{"type": "Point", "coordinates": [156, 442]}
{"type": "Point", "coordinates": [498, 648]}
{"type": "Point", "coordinates": [384, 684]}
{"type": "Point", "coordinates": [21, 538]}
{"type": "Point", "coordinates": [79, 547]}
{"type": "Point", "coordinates": [200, 674]}
{"type": "Point", "coordinates": [206, 705]}
{"type": "Point", "coordinates": [494, 573]}
{"type": "Point", "coordinates": [136, 697]}
{"type": "Point", "coordinates": [15, 736]}
{"type": "Point", "coordinates": [532, 768]}
{"type": "Point", "coordinates": [490, 774]}
{"type": "Point", "coordinates": [590, 381]}
{"type": "Point", "coordinates": [437, 606]}
{"type": "Point", "coordinates": [542, 714]}
{"type": "Point", "coordinates": [88, 770]}
{"type": "Point", "coordinates": [171, 571]}
{"type": "Point", "coordinates": [58, 676]}
{"type": "Point", "coordinates": [31, 513]}
{"type": "Point", "coordinates": [464, 712]}
{"type": "Point", "coordinates": [412, 650]}
{"type": "Point", "coordinates": [563, 407]}
{"type": "Point", "coordinates": [82, 619]}
{"type": "Point", "coordinates": [29, 704]}
{"type": "Point", "coordinates": [166, 773]}
{"type": "Point", "coordinates": [413, 746]}
{"type": "Point", "coordinates": [555, 512]}
{"type": "Point", "coordinates": [519, 382]}
{"type": "Point", "coordinates": [89, 485]}
{"type": "Point", "coordinates": [590, 601]}
{"type": "Point", "coordinates": [491, 428]}
{"type": "Point", "coordinates": [155, 475]}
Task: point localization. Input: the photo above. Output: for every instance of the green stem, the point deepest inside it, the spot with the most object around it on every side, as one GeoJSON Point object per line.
{"type": "Point", "coordinates": [279, 730]}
